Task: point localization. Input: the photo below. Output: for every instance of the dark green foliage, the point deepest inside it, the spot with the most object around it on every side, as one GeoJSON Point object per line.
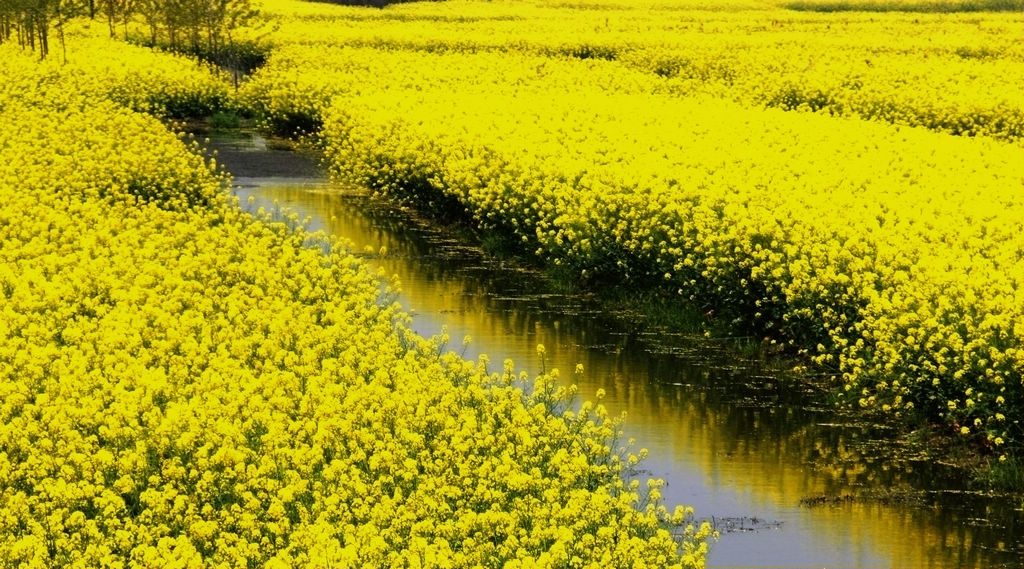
{"type": "Point", "coordinates": [224, 120]}
{"type": "Point", "coordinates": [590, 51]}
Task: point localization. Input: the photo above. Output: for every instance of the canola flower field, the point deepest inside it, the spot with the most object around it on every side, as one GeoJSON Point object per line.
{"type": "Point", "coordinates": [185, 385]}
{"type": "Point", "coordinates": [845, 183]}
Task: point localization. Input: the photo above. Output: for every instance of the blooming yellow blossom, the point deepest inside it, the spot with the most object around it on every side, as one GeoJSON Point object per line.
{"type": "Point", "coordinates": [186, 385]}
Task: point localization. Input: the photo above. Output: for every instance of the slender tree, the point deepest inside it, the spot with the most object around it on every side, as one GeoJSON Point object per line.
{"type": "Point", "coordinates": [201, 27]}
{"type": "Point", "coordinates": [117, 12]}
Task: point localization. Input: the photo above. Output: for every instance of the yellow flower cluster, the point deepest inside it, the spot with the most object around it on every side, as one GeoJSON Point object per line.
{"type": "Point", "coordinates": [289, 97]}
{"type": "Point", "coordinates": [138, 78]}
{"type": "Point", "coordinates": [892, 253]}
{"type": "Point", "coordinates": [895, 251]}
{"type": "Point", "coordinates": [957, 73]}
{"type": "Point", "coordinates": [184, 385]}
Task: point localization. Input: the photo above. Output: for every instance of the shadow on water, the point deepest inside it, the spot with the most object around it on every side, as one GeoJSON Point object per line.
{"type": "Point", "coordinates": [787, 483]}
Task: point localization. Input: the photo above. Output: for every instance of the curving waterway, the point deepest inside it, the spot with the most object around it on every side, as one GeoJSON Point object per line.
{"type": "Point", "coordinates": [787, 484]}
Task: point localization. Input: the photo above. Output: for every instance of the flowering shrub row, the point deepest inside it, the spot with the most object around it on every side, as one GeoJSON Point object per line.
{"type": "Point", "coordinates": [892, 254]}
{"type": "Point", "coordinates": [138, 78]}
{"type": "Point", "coordinates": [184, 385]}
{"type": "Point", "coordinates": [889, 254]}
{"type": "Point", "coordinates": [955, 73]}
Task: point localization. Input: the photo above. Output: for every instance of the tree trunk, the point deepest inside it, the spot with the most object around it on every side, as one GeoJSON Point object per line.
{"type": "Point", "coordinates": [44, 39]}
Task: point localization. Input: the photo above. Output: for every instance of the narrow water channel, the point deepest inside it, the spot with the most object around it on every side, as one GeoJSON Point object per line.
{"type": "Point", "coordinates": [787, 484]}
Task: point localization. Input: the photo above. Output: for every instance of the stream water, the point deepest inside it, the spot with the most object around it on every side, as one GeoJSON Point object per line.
{"type": "Point", "coordinates": [786, 483]}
